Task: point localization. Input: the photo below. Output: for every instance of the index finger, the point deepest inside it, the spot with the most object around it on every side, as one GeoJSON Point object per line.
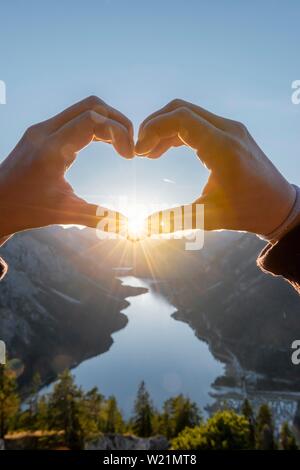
{"type": "Point", "coordinates": [176, 219]}
{"type": "Point", "coordinates": [214, 119]}
{"type": "Point", "coordinates": [192, 130]}
{"type": "Point", "coordinates": [79, 132]}
{"type": "Point", "coordinates": [92, 103]}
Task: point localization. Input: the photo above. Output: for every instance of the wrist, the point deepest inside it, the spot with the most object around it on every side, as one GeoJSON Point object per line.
{"type": "Point", "coordinates": [291, 219]}
{"type": "Point", "coordinates": [8, 219]}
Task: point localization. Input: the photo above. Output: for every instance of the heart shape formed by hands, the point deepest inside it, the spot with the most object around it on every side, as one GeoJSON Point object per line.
{"type": "Point", "coordinates": [244, 190]}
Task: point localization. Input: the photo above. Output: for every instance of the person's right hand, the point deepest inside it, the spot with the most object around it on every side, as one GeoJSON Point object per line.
{"type": "Point", "coordinates": [33, 189]}
{"type": "Point", "coordinates": [244, 190]}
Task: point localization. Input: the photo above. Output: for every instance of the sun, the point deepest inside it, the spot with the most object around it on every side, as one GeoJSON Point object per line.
{"type": "Point", "coordinates": [136, 220]}
{"type": "Point", "coordinates": [136, 226]}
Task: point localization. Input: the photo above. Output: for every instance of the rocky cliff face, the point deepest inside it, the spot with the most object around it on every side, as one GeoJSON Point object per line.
{"type": "Point", "coordinates": [58, 303]}
{"type": "Point", "coordinates": [249, 317]}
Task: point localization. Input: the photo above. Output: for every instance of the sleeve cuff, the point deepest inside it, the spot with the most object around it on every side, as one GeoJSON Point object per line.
{"type": "Point", "coordinates": [283, 258]}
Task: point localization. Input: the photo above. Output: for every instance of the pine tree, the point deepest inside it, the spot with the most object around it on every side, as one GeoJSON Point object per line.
{"type": "Point", "coordinates": [265, 429]}
{"type": "Point", "coordinates": [178, 413]}
{"type": "Point", "coordinates": [165, 425]}
{"type": "Point", "coordinates": [91, 417]}
{"type": "Point", "coordinates": [247, 409]}
{"type": "Point", "coordinates": [287, 439]}
{"type": "Point", "coordinates": [248, 412]}
{"type": "Point", "coordinates": [9, 400]}
{"type": "Point", "coordinates": [143, 413]}
{"type": "Point", "coordinates": [65, 409]}
{"type": "Point", "coordinates": [113, 417]}
{"type": "Point", "coordinates": [42, 414]}
{"type": "Point", "coordinates": [33, 400]}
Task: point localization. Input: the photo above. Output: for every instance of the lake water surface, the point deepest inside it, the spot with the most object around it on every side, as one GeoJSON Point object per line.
{"type": "Point", "coordinates": [153, 347]}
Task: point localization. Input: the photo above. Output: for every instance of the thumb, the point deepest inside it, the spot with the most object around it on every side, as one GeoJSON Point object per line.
{"type": "Point", "coordinates": [176, 219]}
{"type": "Point", "coordinates": [77, 211]}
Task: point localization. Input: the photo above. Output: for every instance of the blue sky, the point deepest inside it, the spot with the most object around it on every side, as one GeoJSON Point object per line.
{"type": "Point", "coordinates": [235, 58]}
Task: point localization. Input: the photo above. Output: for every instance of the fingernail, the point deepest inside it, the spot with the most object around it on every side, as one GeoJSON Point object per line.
{"type": "Point", "coordinates": [139, 147]}
{"type": "Point", "coordinates": [130, 150]}
{"type": "Point", "coordinates": [130, 154]}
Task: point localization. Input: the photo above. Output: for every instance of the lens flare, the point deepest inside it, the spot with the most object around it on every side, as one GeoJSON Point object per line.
{"type": "Point", "coordinates": [136, 227]}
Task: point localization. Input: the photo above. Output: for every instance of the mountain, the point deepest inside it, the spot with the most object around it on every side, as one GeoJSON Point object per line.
{"type": "Point", "coordinates": [58, 306]}
{"type": "Point", "coordinates": [249, 318]}
{"type": "Point", "coordinates": [60, 301]}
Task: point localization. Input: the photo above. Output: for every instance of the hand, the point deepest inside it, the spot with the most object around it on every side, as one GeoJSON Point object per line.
{"type": "Point", "coordinates": [33, 190]}
{"type": "Point", "coordinates": [244, 190]}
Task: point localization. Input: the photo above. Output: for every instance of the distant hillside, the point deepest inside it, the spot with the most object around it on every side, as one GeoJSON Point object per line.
{"type": "Point", "coordinates": [57, 306]}
{"type": "Point", "coordinates": [242, 312]}
{"type": "Point", "coordinates": [60, 301]}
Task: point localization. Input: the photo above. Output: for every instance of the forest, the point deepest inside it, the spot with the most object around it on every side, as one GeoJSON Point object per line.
{"type": "Point", "coordinates": [69, 417]}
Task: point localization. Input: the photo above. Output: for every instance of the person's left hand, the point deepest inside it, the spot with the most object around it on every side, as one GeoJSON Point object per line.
{"type": "Point", "coordinates": [244, 191]}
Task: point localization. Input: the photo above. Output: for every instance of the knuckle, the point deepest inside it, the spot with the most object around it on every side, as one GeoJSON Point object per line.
{"type": "Point", "coordinates": [34, 135]}
{"type": "Point", "coordinates": [176, 103]}
{"type": "Point", "coordinates": [33, 132]}
{"type": "Point", "coordinates": [234, 150]}
{"type": "Point", "coordinates": [93, 101]}
{"type": "Point", "coordinates": [240, 127]}
{"type": "Point", "coordinates": [183, 113]}
{"type": "Point", "coordinates": [88, 121]}
{"type": "Point", "coordinates": [89, 116]}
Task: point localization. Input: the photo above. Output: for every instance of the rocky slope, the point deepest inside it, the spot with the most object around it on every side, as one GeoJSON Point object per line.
{"type": "Point", "coordinates": [248, 317]}
{"type": "Point", "coordinates": [59, 303]}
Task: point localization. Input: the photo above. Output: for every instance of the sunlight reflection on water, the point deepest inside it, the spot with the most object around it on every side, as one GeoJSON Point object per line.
{"type": "Point", "coordinates": [152, 347]}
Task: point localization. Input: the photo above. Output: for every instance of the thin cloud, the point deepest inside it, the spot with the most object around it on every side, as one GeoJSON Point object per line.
{"type": "Point", "coordinates": [166, 180]}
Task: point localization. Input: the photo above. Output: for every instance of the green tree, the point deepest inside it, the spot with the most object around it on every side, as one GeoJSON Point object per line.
{"type": "Point", "coordinates": [90, 406]}
{"type": "Point", "coordinates": [178, 413]}
{"type": "Point", "coordinates": [42, 414]}
{"type": "Point", "coordinates": [265, 429]}
{"type": "Point", "coordinates": [9, 400]}
{"type": "Point", "coordinates": [30, 418]}
{"type": "Point", "coordinates": [248, 412]}
{"type": "Point", "coordinates": [113, 421]}
{"type": "Point", "coordinates": [143, 413]}
{"type": "Point", "coordinates": [287, 439]}
{"type": "Point", "coordinates": [223, 431]}
{"type": "Point", "coordinates": [65, 410]}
